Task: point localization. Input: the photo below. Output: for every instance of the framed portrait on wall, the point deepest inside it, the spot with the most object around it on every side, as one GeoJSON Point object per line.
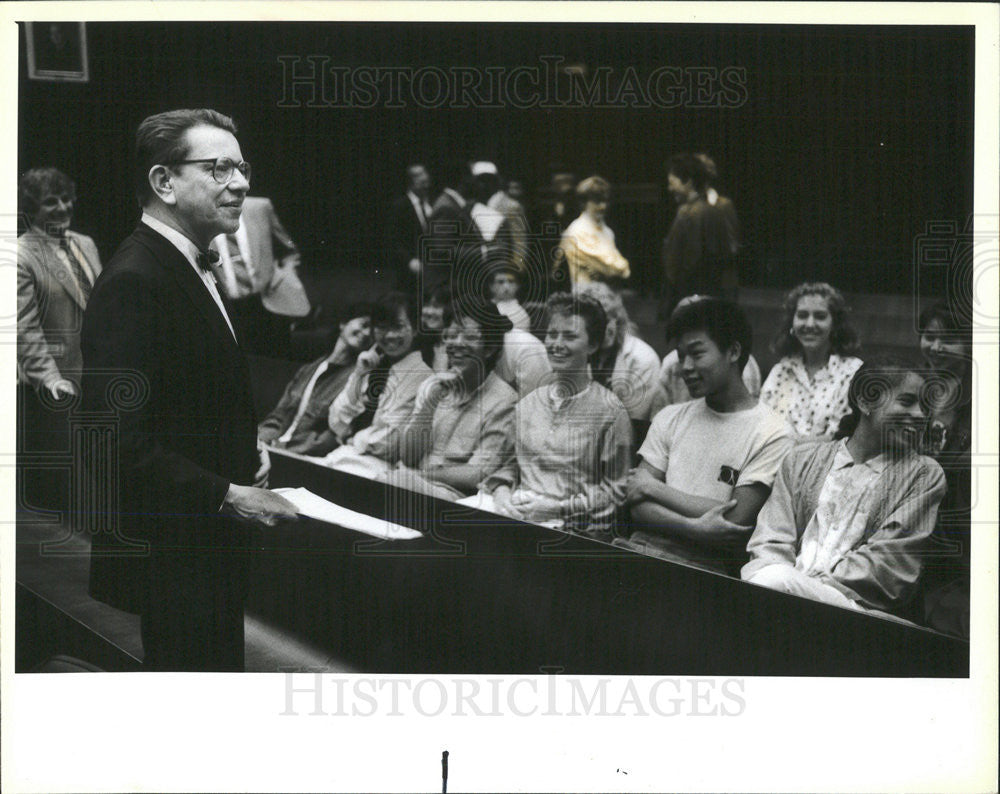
{"type": "Point", "coordinates": [57, 51]}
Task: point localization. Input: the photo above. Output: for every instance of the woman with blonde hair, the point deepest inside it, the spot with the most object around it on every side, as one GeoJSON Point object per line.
{"type": "Point", "coordinates": [588, 244]}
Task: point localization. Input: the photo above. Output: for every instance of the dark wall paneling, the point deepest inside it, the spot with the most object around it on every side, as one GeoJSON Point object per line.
{"type": "Point", "coordinates": [850, 141]}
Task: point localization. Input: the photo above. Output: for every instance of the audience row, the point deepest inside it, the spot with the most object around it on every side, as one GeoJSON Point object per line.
{"type": "Point", "coordinates": [824, 485]}
{"type": "Point", "coordinates": [821, 480]}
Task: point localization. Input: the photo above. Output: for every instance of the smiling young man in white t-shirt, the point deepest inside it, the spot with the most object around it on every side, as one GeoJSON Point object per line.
{"type": "Point", "coordinates": [707, 465]}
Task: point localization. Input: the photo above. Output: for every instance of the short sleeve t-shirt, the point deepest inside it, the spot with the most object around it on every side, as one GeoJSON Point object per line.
{"type": "Point", "coordinates": [708, 454]}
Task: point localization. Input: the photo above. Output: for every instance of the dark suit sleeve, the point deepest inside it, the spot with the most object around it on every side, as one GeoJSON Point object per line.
{"type": "Point", "coordinates": [682, 248]}
{"type": "Point", "coordinates": [124, 359]}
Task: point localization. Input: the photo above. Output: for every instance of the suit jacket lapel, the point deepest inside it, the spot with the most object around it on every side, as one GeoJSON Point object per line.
{"type": "Point", "coordinates": [57, 271]}
{"type": "Point", "coordinates": [89, 253]}
{"type": "Point", "coordinates": [180, 269]}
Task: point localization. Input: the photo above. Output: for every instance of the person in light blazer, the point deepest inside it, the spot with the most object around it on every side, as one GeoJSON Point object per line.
{"type": "Point", "coordinates": [257, 269]}
{"type": "Point", "coordinates": [56, 268]}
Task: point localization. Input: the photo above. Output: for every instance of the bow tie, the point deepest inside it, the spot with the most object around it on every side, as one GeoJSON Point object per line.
{"type": "Point", "coordinates": [206, 259]}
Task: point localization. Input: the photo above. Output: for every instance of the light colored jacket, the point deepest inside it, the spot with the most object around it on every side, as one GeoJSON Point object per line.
{"type": "Point", "coordinates": [50, 308]}
{"type": "Point", "coordinates": [882, 570]}
{"type": "Point", "coordinates": [275, 259]}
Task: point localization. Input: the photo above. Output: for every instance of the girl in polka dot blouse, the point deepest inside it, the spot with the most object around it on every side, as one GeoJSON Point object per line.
{"type": "Point", "coordinates": [808, 386]}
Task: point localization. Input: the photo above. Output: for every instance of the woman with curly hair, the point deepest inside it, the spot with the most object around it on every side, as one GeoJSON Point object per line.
{"type": "Point", "coordinates": [380, 393]}
{"type": "Point", "coordinates": [624, 363]}
{"type": "Point", "coordinates": [808, 385]}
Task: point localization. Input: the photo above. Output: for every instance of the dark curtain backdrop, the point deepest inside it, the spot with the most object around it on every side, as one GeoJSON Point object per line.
{"type": "Point", "coordinates": [849, 142]}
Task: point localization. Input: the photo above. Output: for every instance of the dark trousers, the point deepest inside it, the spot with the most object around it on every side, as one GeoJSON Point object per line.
{"type": "Point", "coordinates": [194, 634]}
{"type": "Point", "coordinates": [43, 447]}
{"type": "Point", "coordinates": [192, 620]}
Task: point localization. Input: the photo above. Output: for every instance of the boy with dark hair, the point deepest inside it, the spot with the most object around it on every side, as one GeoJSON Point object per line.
{"type": "Point", "coordinates": [707, 465]}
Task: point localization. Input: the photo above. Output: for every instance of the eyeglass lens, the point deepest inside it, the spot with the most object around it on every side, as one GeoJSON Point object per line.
{"type": "Point", "coordinates": [224, 168]}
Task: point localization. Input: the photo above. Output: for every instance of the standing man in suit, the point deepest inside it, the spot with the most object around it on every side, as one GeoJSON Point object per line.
{"type": "Point", "coordinates": [515, 225]}
{"type": "Point", "coordinates": [56, 269]}
{"type": "Point", "coordinates": [185, 441]}
{"type": "Point", "coordinates": [699, 251]}
{"type": "Point", "coordinates": [454, 248]}
{"type": "Point", "coordinates": [409, 220]}
{"type": "Point", "coordinates": [256, 268]}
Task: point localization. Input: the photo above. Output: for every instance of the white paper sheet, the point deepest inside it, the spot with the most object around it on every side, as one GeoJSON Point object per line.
{"type": "Point", "coordinates": [313, 506]}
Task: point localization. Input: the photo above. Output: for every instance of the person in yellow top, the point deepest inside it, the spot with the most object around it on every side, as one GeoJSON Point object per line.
{"type": "Point", "coordinates": [588, 244]}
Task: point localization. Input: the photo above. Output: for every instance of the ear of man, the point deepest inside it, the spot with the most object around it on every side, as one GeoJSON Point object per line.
{"type": "Point", "coordinates": [734, 352]}
{"type": "Point", "coordinates": [159, 181]}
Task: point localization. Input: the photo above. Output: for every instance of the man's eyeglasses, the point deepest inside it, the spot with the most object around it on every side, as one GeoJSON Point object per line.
{"type": "Point", "coordinates": [222, 168]}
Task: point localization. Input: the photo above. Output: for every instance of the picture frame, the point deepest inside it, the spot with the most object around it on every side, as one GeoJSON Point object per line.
{"type": "Point", "coordinates": [57, 51]}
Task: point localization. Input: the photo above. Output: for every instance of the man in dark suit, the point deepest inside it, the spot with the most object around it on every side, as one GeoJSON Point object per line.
{"type": "Point", "coordinates": [454, 247]}
{"type": "Point", "coordinates": [699, 251]}
{"type": "Point", "coordinates": [161, 358]}
{"type": "Point", "coordinates": [408, 221]}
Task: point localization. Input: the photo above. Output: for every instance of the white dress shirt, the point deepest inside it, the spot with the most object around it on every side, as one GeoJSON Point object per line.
{"type": "Point", "coordinates": [190, 252]}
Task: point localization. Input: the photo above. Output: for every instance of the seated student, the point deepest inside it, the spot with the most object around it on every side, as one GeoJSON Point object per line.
{"type": "Point", "coordinates": [625, 364]}
{"type": "Point", "coordinates": [808, 385]}
{"type": "Point", "coordinates": [708, 464]}
{"type": "Point", "coordinates": [503, 287]}
{"type": "Point", "coordinates": [572, 436]}
{"type": "Point", "coordinates": [849, 520]}
{"type": "Point", "coordinates": [380, 392]}
{"type": "Point", "coordinates": [946, 345]}
{"type": "Point", "coordinates": [672, 389]}
{"type": "Point", "coordinates": [461, 427]}
{"type": "Point", "coordinates": [299, 422]}
{"type": "Point", "coordinates": [435, 314]}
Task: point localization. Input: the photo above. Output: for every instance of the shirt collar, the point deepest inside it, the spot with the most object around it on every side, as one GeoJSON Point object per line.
{"type": "Point", "coordinates": [178, 240]}
{"type": "Point", "coordinates": [465, 396]}
{"type": "Point", "coordinates": [557, 402]}
{"type": "Point", "coordinates": [51, 239]}
{"type": "Point", "coordinates": [843, 458]}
